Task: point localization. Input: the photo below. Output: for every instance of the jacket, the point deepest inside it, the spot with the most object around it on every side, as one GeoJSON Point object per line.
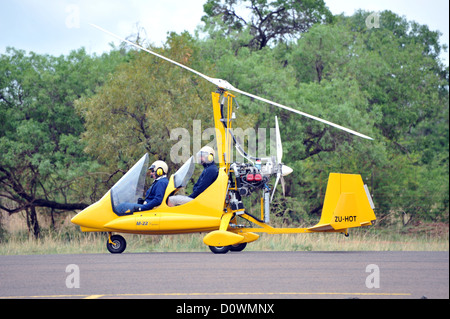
{"type": "Point", "coordinates": [155, 194]}
{"type": "Point", "coordinates": [208, 176]}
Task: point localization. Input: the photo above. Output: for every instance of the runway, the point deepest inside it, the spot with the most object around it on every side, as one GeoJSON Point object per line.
{"type": "Point", "coordinates": [244, 275]}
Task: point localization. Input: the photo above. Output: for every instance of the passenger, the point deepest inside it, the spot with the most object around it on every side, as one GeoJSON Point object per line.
{"type": "Point", "coordinates": [210, 172]}
{"type": "Point", "coordinates": [154, 195]}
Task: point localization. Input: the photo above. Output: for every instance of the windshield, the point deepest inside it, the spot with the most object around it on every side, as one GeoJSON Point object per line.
{"type": "Point", "coordinates": [182, 176]}
{"type": "Point", "coordinates": [131, 186]}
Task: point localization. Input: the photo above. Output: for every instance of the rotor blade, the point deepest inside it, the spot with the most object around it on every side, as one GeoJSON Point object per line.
{"type": "Point", "coordinates": [275, 186]}
{"type": "Point", "coordinates": [227, 86]}
{"type": "Point", "coordinates": [278, 140]}
{"type": "Point", "coordinates": [155, 54]}
{"type": "Point", "coordinates": [302, 113]}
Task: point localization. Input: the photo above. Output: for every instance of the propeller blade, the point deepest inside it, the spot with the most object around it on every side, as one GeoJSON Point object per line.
{"type": "Point", "coordinates": [278, 140]}
{"type": "Point", "coordinates": [275, 186]}
{"type": "Point", "coordinates": [227, 86]}
{"type": "Point", "coordinates": [283, 186]}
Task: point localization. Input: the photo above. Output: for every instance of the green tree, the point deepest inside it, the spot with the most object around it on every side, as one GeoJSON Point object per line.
{"type": "Point", "coordinates": [41, 155]}
{"type": "Point", "coordinates": [143, 106]}
{"type": "Point", "coordinates": [267, 21]}
{"type": "Point", "coordinates": [397, 70]}
{"type": "Point", "coordinates": [387, 83]}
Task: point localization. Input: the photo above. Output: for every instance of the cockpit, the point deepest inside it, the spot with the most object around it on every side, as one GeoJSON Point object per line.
{"type": "Point", "coordinates": [131, 186]}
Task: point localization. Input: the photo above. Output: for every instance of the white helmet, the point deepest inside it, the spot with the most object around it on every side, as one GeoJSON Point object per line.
{"type": "Point", "coordinates": [159, 167]}
{"type": "Point", "coordinates": [207, 153]}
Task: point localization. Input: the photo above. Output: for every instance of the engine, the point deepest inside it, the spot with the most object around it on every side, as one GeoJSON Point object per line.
{"type": "Point", "coordinates": [248, 178]}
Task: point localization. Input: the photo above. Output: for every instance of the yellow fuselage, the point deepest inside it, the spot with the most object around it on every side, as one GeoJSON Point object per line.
{"type": "Point", "coordinates": [202, 214]}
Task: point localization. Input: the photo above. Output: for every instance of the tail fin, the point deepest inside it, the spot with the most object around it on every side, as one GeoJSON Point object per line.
{"type": "Point", "coordinates": [347, 204]}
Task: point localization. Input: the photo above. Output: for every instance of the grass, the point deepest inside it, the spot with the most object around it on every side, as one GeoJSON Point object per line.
{"type": "Point", "coordinates": [68, 239]}
{"type": "Point", "coordinates": [74, 242]}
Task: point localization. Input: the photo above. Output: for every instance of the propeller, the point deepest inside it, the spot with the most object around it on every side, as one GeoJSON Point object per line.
{"type": "Point", "coordinates": [280, 169]}
{"type": "Point", "coordinates": [227, 86]}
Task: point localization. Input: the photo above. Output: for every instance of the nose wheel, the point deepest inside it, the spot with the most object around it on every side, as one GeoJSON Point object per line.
{"type": "Point", "coordinates": [116, 244]}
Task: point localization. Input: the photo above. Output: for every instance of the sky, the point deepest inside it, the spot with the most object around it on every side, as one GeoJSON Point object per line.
{"type": "Point", "coordinates": [58, 26]}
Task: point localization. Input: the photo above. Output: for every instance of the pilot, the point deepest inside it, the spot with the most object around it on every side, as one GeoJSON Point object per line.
{"type": "Point", "coordinates": [155, 194]}
{"type": "Point", "coordinates": [210, 172]}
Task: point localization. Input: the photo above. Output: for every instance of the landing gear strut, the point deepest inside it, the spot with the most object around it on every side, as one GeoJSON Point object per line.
{"type": "Point", "coordinates": [116, 244]}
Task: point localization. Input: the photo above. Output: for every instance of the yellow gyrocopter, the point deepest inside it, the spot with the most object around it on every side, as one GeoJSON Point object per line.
{"type": "Point", "coordinates": [347, 202]}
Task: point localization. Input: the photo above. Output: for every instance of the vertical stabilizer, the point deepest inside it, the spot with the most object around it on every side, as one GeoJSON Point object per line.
{"type": "Point", "coordinates": [347, 204]}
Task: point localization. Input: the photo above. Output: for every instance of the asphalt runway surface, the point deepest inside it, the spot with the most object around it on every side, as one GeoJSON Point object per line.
{"type": "Point", "coordinates": [244, 275]}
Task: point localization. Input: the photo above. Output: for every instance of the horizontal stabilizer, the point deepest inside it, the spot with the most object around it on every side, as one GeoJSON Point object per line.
{"type": "Point", "coordinates": [346, 205]}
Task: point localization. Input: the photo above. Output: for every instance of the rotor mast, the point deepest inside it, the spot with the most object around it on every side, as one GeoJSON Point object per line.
{"type": "Point", "coordinates": [222, 101]}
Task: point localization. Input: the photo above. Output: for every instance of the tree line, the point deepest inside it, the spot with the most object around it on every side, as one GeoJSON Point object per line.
{"type": "Point", "coordinates": [73, 125]}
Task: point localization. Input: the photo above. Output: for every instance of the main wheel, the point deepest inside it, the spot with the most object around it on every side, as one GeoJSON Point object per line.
{"type": "Point", "coordinates": [219, 249]}
{"type": "Point", "coordinates": [118, 244]}
{"type": "Point", "coordinates": [238, 247]}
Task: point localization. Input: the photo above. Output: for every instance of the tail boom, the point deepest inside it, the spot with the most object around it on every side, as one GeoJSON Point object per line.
{"type": "Point", "coordinates": [347, 205]}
